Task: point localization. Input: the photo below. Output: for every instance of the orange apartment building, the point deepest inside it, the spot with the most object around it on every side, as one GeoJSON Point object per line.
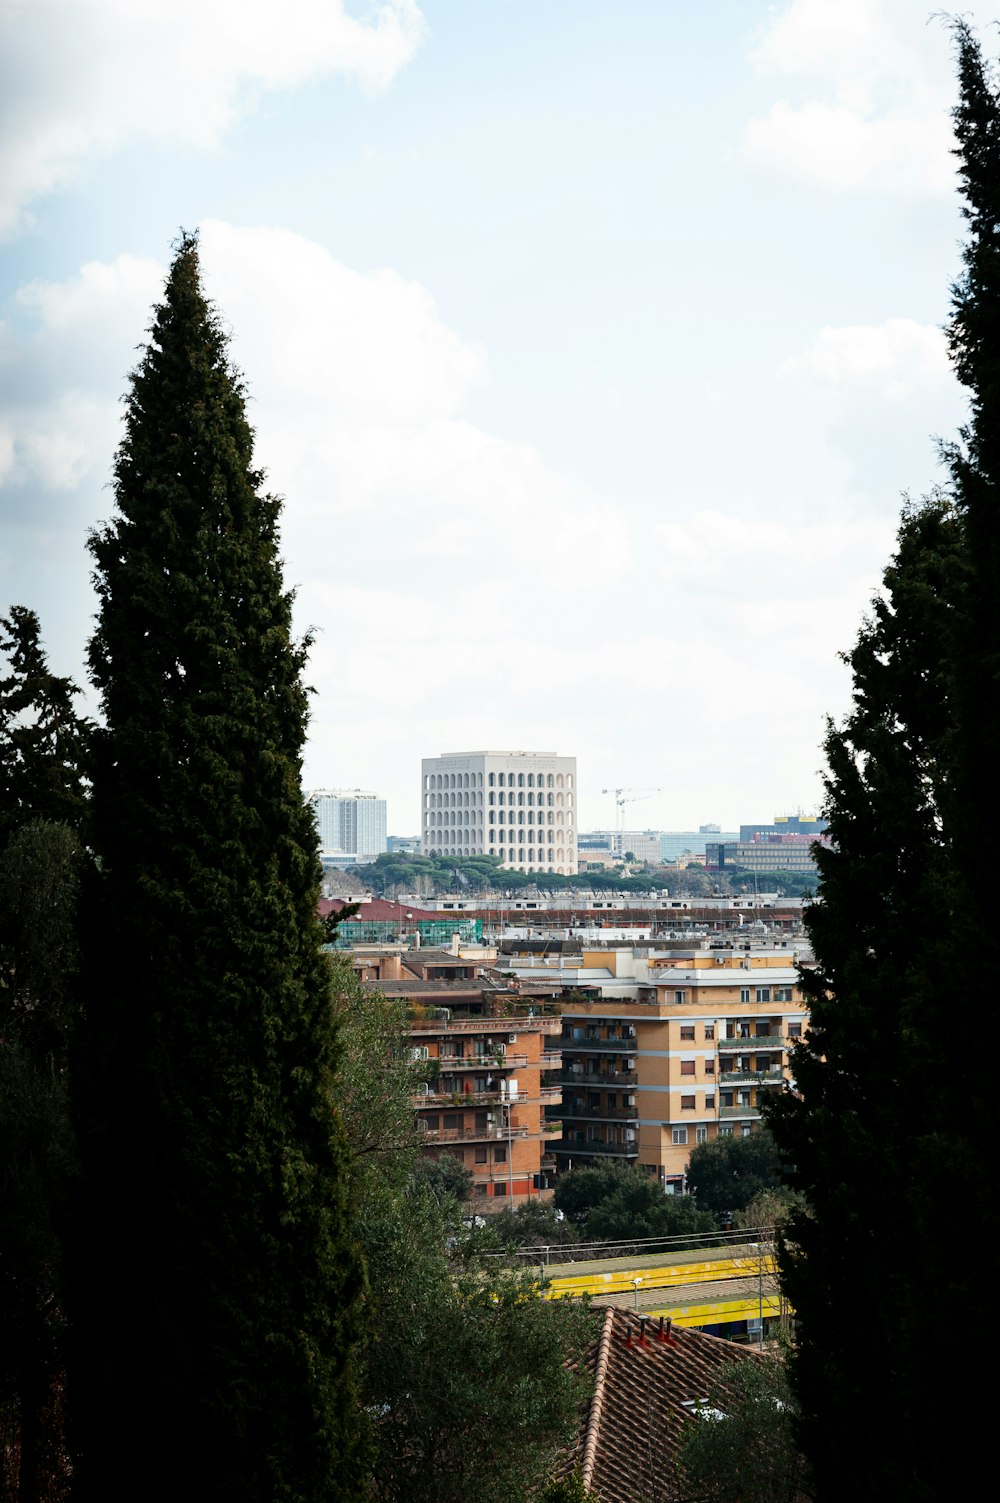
{"type": "Point", "coordinates": [688, 1056]}
{"type": "Point", "coordinates": [491, 1048]}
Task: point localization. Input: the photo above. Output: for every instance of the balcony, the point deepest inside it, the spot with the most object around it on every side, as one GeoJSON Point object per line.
{"type": "Point", "coordinates": [600, 1080]}
{"type": "Point", "coordinates": [602, 1113]}
{"type": "Point", "coordinates": [551, 1095]}
{"type": "Point", "coordinates": [746, 1045]}
{"type": "Point", "coordinates": [738, 1111]}
{"type": "Point", "coordinates": [551, 1059]}
{"type": "Point", "coordinates": [596, 1146]}
{"type": "Point", "coordinates": [459, 1099]}
{"type": "Point", "coordinates": [752, 1077]}
{"type": "Point", "coordinates": [450, 1062]}
{"type": "Point", "coordinates": [489, 1134]}
{"type": "Point", "coordinates": [589, 1046]}
{"type": "Point", "coordinates": [495, 1027]}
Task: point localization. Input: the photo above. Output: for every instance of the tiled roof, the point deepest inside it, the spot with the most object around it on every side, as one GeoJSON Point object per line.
{"type": "Point", "coordinates": [646, 1375]}
{"type": "Point", "coordinates": [378, 908]}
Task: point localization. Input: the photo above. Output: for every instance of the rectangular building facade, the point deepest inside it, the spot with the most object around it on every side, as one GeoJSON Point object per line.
{"type": "Point", "coordinates": [517, 806]}
{"type": "Point", "coordinates": [690, 1058]}
{"type": "Point", "coordinates": [349, 821]}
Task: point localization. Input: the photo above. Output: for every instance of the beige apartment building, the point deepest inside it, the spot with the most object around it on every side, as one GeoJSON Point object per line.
{"type": "Point", "coordinates": [690, 1055]}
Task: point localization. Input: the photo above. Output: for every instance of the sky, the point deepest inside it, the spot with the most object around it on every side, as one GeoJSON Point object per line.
{"type": "Point", "coordinates": [592, 346]}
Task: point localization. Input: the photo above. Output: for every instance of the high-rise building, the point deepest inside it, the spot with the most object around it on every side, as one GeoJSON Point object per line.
{"type": "Point", "coordinates": [518, 806]}
{"type": "Point", "coordinates": [350, 821]}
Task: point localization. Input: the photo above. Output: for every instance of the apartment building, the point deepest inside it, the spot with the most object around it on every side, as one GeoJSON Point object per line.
{"type": "Point", "coordinates": [518, 806]}
{"type": "Point", "coordinates": [665, 1051]}
{"type": "Point", "coordinates": [491, 1052]}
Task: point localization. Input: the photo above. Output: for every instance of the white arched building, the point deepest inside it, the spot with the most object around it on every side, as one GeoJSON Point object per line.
{"type": "Point", "coordinates": [518, 806]}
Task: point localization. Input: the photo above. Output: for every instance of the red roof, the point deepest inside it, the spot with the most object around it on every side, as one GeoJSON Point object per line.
{"type": "Point", "coordinates": [379, 909]}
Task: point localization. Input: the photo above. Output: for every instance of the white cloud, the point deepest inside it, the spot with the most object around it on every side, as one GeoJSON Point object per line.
{"type": "Point", "coordinates": [85, 77]}
{"type": "Point", "coordinates": [464, 592]}
{"type": "Point", "coordinates": [896, 359]}
{"type": "Point", "coordinates": [873, 86]}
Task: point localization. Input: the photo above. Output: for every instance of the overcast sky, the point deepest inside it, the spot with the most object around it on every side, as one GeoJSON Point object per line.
{"type": "Point", "coordinates": [592, 346]}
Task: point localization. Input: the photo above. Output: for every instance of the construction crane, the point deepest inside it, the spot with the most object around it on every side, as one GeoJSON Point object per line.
{"type": "Point", "coordinates": [623, 796]}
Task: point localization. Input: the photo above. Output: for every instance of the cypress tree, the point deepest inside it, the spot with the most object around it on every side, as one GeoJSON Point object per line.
{"type": "Point", "coordinates": [216, 1283]}
{"type": "Point", "coordinates": [891, 1271]}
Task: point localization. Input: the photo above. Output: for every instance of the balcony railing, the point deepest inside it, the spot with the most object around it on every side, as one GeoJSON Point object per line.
{"type": "Point", "coordinates": [472, 1134]}
{"type": "Point", "coordinates": [603, 1113]}
{"type": "Point", "coordinates": [738, 1111]}
{"type": "Point", "coordinates": [551, 1095]}
{"type": "Point", "coordinates": [479, 1024]}
{"type": "Point", "coordinates": [458, 1099]}
{"type": "Point", "coordinates": [752, 1077]}
{"type": "Point", "coordinates": [622, 1046]}
{"type": "Point", "coordinates": [754, 1041]}
{"type": "Point", "coordinates": [603, 1080]}
{"type": "Point", "coordinates": [451, 1062]}
{"type": "Point", "coordinates": [594, 1145]}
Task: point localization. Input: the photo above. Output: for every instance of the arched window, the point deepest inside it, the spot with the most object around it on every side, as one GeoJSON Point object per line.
{"type": "Point", "coordinates": [501, 780]}
{"type": "Point", "coordinates": [520, 798]}
{"type": "Point", "coordinates": [531, 780]}
{"type": "Point", "coordinates": [493, 778]}
{"type": "Point", "coordinates": [520, 780]}
{"type": "Point", "coordinates": [550, 780]}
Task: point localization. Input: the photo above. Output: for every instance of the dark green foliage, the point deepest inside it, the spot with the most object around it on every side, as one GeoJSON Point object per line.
{"type": "Point", "coordinates": [638, 1208]}
{"type": "Point", "coordinates": [43, 755]}
{"type": "Point", "coordinates": [43, 742]}
{"type": "Point", "coordinates": [740, 1447]}
{"type": "Point", "coordinates": [445, 1176]}
{"type": "Point", "coordinates": [216, 1276]}
{"type": "Point", "coordinates": [40, 869]}
{"type": "Point", "coordinates": [534, 1224]}
{"type": "Point", "coordinates": [725, 1174]}
{"type": "Point", "coordinates": [607, 1203]}
{"type": "Point", "coordinates": [885, 1131]}
{"type": "Point", "coordinates": [570, 1490]}
{"type": "Point", "coordinates": [581, 1189]}
{"type": "Point", "coordinates": [465, 1374]}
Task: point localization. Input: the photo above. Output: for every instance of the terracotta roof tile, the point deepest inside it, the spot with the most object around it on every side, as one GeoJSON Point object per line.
{"type": "Point", "coordinates": [631, 1432]}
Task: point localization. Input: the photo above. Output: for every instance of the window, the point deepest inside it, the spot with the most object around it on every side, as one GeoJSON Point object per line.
{"type": "Point", "coordinates": [782, 994]}
{"type": "Point", "coordinates": [795, 1030]}
{"type": "Point", "coordinates": [452, 1119]}
{"type": "Point", "coordinates": [500, 1189]}
{"type": "Point", "coordinates": [499, 1155]}
{"type": "Point", "coordinates": [481, 1155]}
{"type": "Point", "coordinates": [710, 1101]}
{"type": "Point", "coordinates": [687, 1032]}
{"type": "Point", "coordinates": [479, 1189]}
{"type": "Point", "coordinates": [680, 996]}
{"type": "Point", "coordinates": [746, 1129]}
{"type": "Point", "coordinates": [687, 1103]}
{"type": "Point", "coordinates": [725, 1131]}
{"type": "Point", "coordinates": [744, 994]}
{"type": "Point", "coordinates": [679, 1136]}
{"type": "Point", "coordinates": [710, 1030]}
{"type": "Point", "coordinates": [687, 1066]}
{"type": "Point", "coordinates": [710, 1067]}
{"type": "Point", "coordinates": [763, 994]}
{"type": "Point", "coordinates": [612, 1098]}
{"type": "Point", "coordinates": [701, 1134]}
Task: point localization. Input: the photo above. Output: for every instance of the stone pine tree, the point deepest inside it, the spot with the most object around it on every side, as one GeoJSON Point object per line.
{"type": "Point", "coordinates": [215, 1279]}
{"type": "Point", "coordinates": [892, 1269]}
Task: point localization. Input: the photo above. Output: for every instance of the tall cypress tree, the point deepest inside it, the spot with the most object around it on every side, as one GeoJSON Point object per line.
{"type": "Point", "coordinates": [892, 1270]}
{"type": "Point", "coordinates": [216, 1284]}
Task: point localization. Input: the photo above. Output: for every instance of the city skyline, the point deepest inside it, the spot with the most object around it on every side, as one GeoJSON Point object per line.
{"type": "Point", "coordinates": [592, 349]}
